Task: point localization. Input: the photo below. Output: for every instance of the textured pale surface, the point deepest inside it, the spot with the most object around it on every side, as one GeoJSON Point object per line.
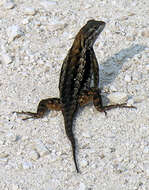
{"type": "Point", "coordinates": [113, 151]}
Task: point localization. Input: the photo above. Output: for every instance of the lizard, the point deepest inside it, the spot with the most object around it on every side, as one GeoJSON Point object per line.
{"type": "Point", "coordinates": [79, 68]}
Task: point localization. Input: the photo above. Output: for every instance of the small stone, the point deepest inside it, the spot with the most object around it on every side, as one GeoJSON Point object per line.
{"type": "Point", "coordinates": [145, 33]}
{"type": "Point", "coordinates": [11, 137]}
{"type": "Point", "coordinates": [118, 97]}
{"type": "Point", "coordinates": [146, 150]}
{"type": "Point", "coordinates": [26, 165]}
{"type": "Point", "coordinates": [3, 161]}
{"type": "Point", "coordinates": [130, 102]}
{"type": "Point", "coordinates": [29, 11]}
{"type": "Point", "coordinates": [147, 68]}
{"type": "Point", "coordinates": [136, 76]}
{"type": "Point", "coordinates": [5, 58]}
{"type": "Point", "coordinates": [82, 186]}
{"type": "Point", "coordinates": [120, 56]}
{"type": "Point", "coordinates": [34, 155]}
{"type": "Point", "coordinates": [37, 23]}
{"type": "Point", "coordinates": [9, 5]}
{"type": "Point", "coordinates": [41, 148]}
{"type": "Point", "coordinates": [83, 163]}
{"type": "Point", "coordinates": [124, 18]}
{"type": "Point", "coordinates": [119, 168]}
{"type": "Point", "coordinates": [139, 98]}
{"type": "Point", "coordinates": [56, 25]}
{"type": "Point", "coordinates": [25, 138]}
{"type": "Point", "coordinates": [131, 14]}
{"type": "Point", "coordinates": [130, 37]}
{"type": "Point", "coordinates": [113, 88]}
{"type": "Point", "coordinates": [25, 21]}
{"type": "Point", "coordinates": [48, 4]}
{"type": "Point", "coordinates": [2, 141]}
{"type": "Point", "coordinates": [14, 32]}
{"type": "Point", "coordinates": [3, 155]}
{"type": "Point", "coordinates": [15, 187]}
{"type": "Point", "coordinates": [146, 168]}
{"type": "Point", "coordinates": [86, 134]}
{"type": "Point", "coordinates": [127, 78]}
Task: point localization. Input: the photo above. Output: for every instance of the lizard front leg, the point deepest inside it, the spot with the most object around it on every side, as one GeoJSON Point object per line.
{"type": "Point", "coordinates": [43, 106]}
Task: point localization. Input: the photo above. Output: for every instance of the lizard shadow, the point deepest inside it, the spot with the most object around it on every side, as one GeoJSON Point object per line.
{"type": "Point", "coordinates": [112, 66]}
{"type": "Point", "coordinates": [110, 69]}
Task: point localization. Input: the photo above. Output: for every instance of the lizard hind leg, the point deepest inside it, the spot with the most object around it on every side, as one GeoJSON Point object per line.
{"type": "Point", "coordinates": [31, 114]}
{"type": "Point", "coordinates": [43, 106]}
{"type": "Point", "coordinates": [97, 101]}
{"type": "Point", "coordinates": [85, 97]}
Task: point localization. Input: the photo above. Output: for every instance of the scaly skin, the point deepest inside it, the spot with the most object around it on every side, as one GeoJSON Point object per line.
{"type": "Point", "coordinates": [78, 68]}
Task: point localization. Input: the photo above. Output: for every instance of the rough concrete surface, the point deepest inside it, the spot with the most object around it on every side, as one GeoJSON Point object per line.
{"type": "Point", "coordinates": [112, 150]}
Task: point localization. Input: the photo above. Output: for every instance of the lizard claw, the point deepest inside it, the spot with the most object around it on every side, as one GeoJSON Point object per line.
{"type": "Point", "coordinates": [105, 113]}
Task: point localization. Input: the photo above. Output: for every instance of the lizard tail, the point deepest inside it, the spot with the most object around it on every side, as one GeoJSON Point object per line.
{"type": "Point", "coordinates": [70, 135]}
{"type": "Point", "coordinates": [74, 155]}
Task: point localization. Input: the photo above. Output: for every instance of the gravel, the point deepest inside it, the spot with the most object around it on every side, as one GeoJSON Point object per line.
{"type": "Point", "coordinates": [112, 150]}
{"type": "Point", "coordinates": [118, 97]}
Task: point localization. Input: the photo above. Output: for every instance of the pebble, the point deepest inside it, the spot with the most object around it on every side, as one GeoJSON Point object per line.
{"type": "Point", "coordinates": [83, 163]}
{"type": "Point", "coordinates": [139, 98]}
{"type": "Point", "coordinates": [25, 138]}
{"type": "Point", "coordinates": [5, 58]}
{"type": "Point", "coordinates": [145, 33]}
{"type": "Point", "coordinates": [130, 102]}
{"type": "Point", "coordinates": [3, 155]}
{"type": "Point", "coordinates": [113, 88]}
{"type": "Point", "coordinates": [29, 11]}
{"type": "Point", "coordinates": [41, 148]}
{"type": "Point", "coordinates": [48, 4]}
{"type": "Point", "coordinates": [130, 37]}
{"type": "Point", "coordinates": [2, 141]}
{"type": "Point", "coordinates": [14, 32]}
{"type": "Point", "coordinates": [118, 97]}
{"type": "Point", "coordinates": [26, 165]}
{"type": "Point", "coordinates": [127, 78]}
{"type": "Point", "coordinates": [56, 25]}
{"type": "Point", "coordinates": [146, 149]}
{"type": "Point", "coordinates": [147, 68]}
{"type": "Point", "coordinates": [146, 168]}
{"type": "Point", "coordinates": [3, 161]}
{"type": "Point", "coordinates": [124, 18]}
{"type": "Point", "coordinates": [15, 187]}
{"type": "Point", "coordinates": [34, 155]}
{"type": "Point", "coordinates": [87, 134]}
{"type": "Point", "coordinates": [25, 21]}
{"type": "Point", "coordinates": [11, 137]}
{"type": "Point", "coordinates": [9, 5]}
{"type": "Point", "coordinates": [120, 56]}
{"type": "Point", "coordinates": [82, 186]}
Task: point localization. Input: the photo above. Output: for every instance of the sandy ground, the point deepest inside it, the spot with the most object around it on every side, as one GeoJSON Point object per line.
{"type": "Point", "coordinates": [112, 151]}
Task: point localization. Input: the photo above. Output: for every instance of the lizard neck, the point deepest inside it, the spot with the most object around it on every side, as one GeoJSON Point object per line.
{"type": "Point", "coordinates": [78, 44]}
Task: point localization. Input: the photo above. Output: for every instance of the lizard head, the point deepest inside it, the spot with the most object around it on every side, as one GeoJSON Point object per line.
{"type": "Point", "coordinates": [91, 31]}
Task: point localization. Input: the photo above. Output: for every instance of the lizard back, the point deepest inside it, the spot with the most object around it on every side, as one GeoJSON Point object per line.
{"type": "Point", "coordinates": [76, 74]}
{"type": "Point", "coordinates": [77, 67]}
